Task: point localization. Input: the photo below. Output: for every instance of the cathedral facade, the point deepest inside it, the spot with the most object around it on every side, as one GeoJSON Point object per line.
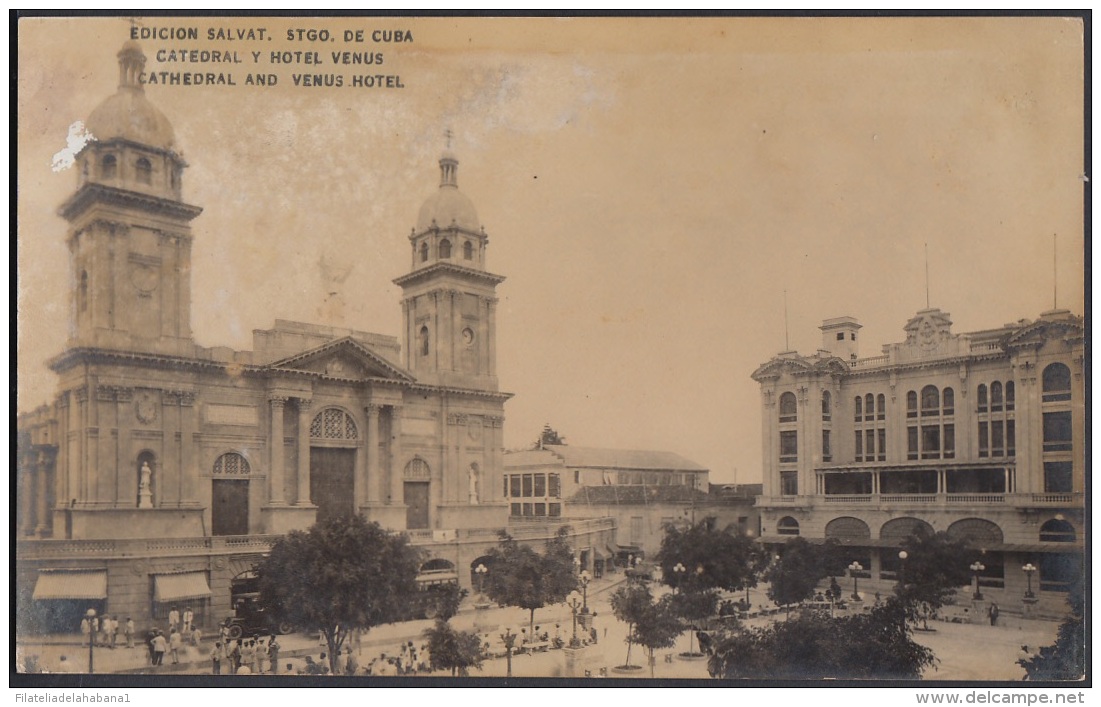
{"type": "Point", "coordinates": [163, 470]}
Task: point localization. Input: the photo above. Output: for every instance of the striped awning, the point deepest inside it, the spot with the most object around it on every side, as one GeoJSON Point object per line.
{"type": "Point", "coordinates": [177, 587]}
{"type": "Point", "coordinates": [71, 584]}
{"type": "Point", "coordinates": [437, 577]}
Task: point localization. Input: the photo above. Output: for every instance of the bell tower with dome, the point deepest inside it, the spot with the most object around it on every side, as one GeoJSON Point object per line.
{"type": "Point", "coordinates": [449, 298]}
{"type": "Point", "coordinates": [129, 229]}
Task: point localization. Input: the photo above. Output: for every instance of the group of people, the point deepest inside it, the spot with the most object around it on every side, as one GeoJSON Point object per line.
{"type": "Point", "coordinates": [409, 661]}
{"type": "Point", "coordinates": [173, 644]}
{"type": "Point", "coordinates": [104, 631]}
{"type": "Point", "coordinates": [248, 656]}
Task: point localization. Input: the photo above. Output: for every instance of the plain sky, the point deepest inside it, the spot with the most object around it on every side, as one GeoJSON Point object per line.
{"type": "Point", "coordinates": [650, 187]}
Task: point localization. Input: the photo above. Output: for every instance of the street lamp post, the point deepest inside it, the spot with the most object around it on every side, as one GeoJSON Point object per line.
{"type": "Point", "coordinates": [853, 569]}
{"type": "Point", "coordinates": [584, 579]}
{"type": "Point", "coordinates": [91, 614]}
{"type": "Point", "coordinates": [902, 555]}
{"type": "Point", "coordinates": [509, 639]}
{"type": "Point", "coordinates": [574, 602]}
{"type": "Point", "coordinates": [481, 570]}
{"type": "Point", "coordinates": [678, 573]}
{"type": "Point", "coordinates": [976, 568]}
{"type": "Point", "coordinates": [1029, 570]}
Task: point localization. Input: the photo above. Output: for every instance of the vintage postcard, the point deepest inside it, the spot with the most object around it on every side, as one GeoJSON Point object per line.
{"type": "Point", "coordinates": [575, 348]}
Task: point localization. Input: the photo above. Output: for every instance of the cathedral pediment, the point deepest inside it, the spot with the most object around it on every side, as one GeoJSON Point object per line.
{"type": "Point", "coordinates": [344, 358]}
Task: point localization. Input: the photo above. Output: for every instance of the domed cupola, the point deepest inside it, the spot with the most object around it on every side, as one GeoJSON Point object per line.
{"type": "Point", "coordinates": [447, 227]}
{"type": "Point", "coordinates": [134, 146]}
{"type": "Point", "coordinates": [448, 206]}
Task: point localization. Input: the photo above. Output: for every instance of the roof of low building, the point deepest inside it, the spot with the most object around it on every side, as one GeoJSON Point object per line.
{"type": "Point", "coordinates": [627, 459]}
{"type": "Point", "coordinates": [530, 457]}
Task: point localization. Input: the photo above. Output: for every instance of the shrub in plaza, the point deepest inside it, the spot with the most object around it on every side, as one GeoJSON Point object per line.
{"type": "Point", "coordinates": [342, 575]}
{"type": "Point", "coordinates": [813, 646]}
{"type": "Point", "coordinates": [1066, 659]}
{"type": "Point", "coordinates": [935, 566]}
{"type": "Point", "coordinates": [457, 651]}
{"type": "Point", "coordinates": [528, 579]}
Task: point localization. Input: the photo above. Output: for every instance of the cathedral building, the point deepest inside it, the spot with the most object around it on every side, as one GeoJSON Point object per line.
{"type": "Point", "coordinates": [163, 470]}
{"type": "Point", "coordinates": [981, 435]}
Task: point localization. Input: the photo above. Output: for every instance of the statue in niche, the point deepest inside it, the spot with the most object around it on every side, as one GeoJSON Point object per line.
{"type": "Point", "coordinates": [145, 495]}
{"type": "Point", "coordinates": [473, 479]}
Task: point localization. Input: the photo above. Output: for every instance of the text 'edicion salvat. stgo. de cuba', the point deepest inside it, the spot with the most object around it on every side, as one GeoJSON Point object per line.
{"type": "Point", "coordinates": [307, 57]}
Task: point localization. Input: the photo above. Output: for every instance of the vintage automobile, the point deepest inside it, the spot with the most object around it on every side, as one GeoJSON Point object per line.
{"type": "Point", "coordinates": [250, 620]}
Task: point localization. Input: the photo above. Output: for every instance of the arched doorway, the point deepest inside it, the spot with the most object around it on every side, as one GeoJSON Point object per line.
{"type": "Point", "coordinates": [333, 439]}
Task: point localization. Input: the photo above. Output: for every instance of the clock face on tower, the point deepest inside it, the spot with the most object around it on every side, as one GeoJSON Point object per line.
{"type": "Point", "coordinates": [145, 405]}
{"type": "Point", "coordinates": [468, 336]}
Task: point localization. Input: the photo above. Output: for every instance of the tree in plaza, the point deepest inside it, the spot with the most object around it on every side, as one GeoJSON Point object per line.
{"type": "Point", "coordinates": [630, 604]}
{"type": "Point", "coordinates": [793, 577]}
{"type": "Point", "coordinates": [657, 627]}
{"type": "Point", "coordinates": [935, 566]}
{"type": "Point", "coordinates": [438, 601]}
{"type": "Point", "coordinates": [342, 575]}
{"type": "Point", "coordinates": [1066, 659]}
{"type": "Point", "coordinates": [813, 646]}
{"type": "Point", "coordinates": [694, 606]}
{"type": "Point", "coordinates": [528, 579]}
{"type": "Point", "coordinates": [457, 651]}
{"type": "Point", "coordinates": [712, 559]}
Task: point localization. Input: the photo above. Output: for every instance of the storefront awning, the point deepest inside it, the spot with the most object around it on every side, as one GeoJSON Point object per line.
{"type": "Point", "coordinates": [71, 584]}
{"type": "Point", "coordinates": [177, 587]}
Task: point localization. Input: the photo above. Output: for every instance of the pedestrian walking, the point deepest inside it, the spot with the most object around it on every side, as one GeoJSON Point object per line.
{"type": "Point", "coordinates": [352, 665]}
{"type": "Point", "coordinates": [273, 655]}
{"type": "Point", "coordinates": [160, 646]}
{"type": "Point", "coordinates": [129, 632]}
{"type": "Point", "coordinates": [188, 617]}
{"type": "Point", "coordinates": [196, 637]}
{"type": "Point", "coordinates": [86, 629]}
{"type": "Point", "coordinates": [993, 613]}
{"type": "Point", "coordinates": [216, 656]}
{"type": "Point", "coordinates": [175, 642]}
{"type": "Point", "coordinates": [173, 619]}
{"type": "Point", "coordinates": [235, 655]}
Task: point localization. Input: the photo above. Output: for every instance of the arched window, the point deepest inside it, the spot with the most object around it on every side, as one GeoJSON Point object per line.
{"type": "Point", "coordinates": [333, 423]}
{"type": "Point", "coordinates": [826, 398]}
{"type": "Point", "coordinates": [445, 249]}
{"type": "Point", "coordinates": [424, 341]}
{"type": "Point", "coordinates": [949, 399]}
{"type": "Point", "coordinates": [995, 396]}
{"type": "Point", "coordinates": [869, 407]}
{"type": "Point", "coordinates": [858, 408]}
{"type": "Point", "coordinates": [424, 252]}
{"type": "Point", "coordinates": [417, 468]}
{"type": "Point", "coordinates": [787, 407]}
{"type": "Point", "coordinates": [1056, 383]}
{"type": "Point", "coordinates": [911, 404]}
{"type": "Point", "coordinates": [1057, 531]}
{"type": "Point", "coordinates": [848, 528]}
{"type": "Point", "coordinates": [144, 171]}
{"type": "Point", "coordinates": [881, 406]}
{"type": "Point", "coordinates": [231, 464]}
{"type": "Point", "coordinates": [108, 167]}
{"type": "Point", "coordinates": [1010, 395]}
{"type": "Point", "coordinates": [468, 251]}
{"type": "Point", "coordinates": [787, 526]}
{"type": "Point", "coordinates": [930, 400]}
{"type": "Point", "coordinates": [982, 397]}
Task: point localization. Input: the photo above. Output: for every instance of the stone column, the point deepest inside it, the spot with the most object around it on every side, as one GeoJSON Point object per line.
{"type": "Point", "coordinates": [189, 467]}
{"type": "Point", "coordinates": [396, 490]}
{"type": "Point", "coordinates": [372, 450]}
{"type": "Point", "coordinates": [303, 497]}
{"type": "Point", "coordinates": [490, 335]}
{"type": "Point", "coordinates": [26, 489]}
{"type": "Point", "coordinates": [275, 474]}
{"type": "Point", "coordinates": [455, 299]}
{"type": "Point", "coordinates": [41, 476]}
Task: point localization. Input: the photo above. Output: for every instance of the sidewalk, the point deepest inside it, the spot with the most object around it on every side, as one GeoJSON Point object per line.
{"type": "Point", "coordinates": [380, 639]}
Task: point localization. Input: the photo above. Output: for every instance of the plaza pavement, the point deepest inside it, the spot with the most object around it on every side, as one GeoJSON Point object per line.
{"type": "Point", "coordinates": [964, 651]}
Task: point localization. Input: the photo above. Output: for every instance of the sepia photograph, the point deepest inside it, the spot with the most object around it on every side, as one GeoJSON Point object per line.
{"type": "Point", "coordinates": [390, 350]}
